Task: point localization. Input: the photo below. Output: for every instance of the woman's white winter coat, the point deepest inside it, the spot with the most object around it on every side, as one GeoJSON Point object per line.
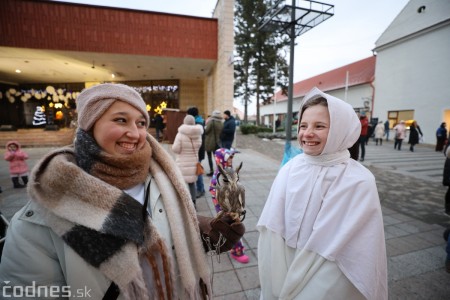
{"type": "Point", "coordinates": [186, 145]}
{"type": "Point", "coordinates": [379, 131]}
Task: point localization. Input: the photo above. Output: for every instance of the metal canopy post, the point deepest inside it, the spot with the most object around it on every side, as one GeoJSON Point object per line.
{"type": "Point", "coordinates": [294, 20]}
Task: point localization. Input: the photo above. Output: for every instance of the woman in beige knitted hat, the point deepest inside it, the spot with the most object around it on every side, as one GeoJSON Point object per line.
{"type": "Point", "coordinates": [111, 214]}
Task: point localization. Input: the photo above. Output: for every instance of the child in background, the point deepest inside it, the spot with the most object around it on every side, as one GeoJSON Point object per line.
{"type": "Point", "coordinates": [224, 157]}
{"type": "Point", "coordinates": [17, 165]}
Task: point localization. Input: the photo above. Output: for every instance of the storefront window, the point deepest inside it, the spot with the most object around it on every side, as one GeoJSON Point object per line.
{"type": "Point", "coordinates": [158, 94]}
{"type": "Point", "coordinates": [27, 106]}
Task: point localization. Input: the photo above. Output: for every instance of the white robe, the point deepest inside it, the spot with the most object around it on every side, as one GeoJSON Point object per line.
{"type": "Point", "coordinates": [322, 222]}
{"type": "Point", "coordinates": [299, 273]}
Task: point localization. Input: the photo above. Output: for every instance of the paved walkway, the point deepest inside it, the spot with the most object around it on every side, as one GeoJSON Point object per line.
{"type": "Point", "coordinates": [411, 195]}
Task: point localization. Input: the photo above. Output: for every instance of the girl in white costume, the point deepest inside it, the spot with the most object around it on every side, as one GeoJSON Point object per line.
{"type": "Point", "coordinates": [321, 230]}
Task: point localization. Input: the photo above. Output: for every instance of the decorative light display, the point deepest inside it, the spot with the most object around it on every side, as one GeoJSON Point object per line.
{"type": "Point", "coordinates": [160, 107]}
{"type": "Point", "coordinates": [60, 95]}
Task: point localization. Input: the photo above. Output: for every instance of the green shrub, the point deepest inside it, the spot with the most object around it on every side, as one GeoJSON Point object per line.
{"type": "Point", "coordinates": [248, 128]}
{"type": "Point", "coordinates": [253, 129]}
{"type": "Point", "coordinates": [264, 129]}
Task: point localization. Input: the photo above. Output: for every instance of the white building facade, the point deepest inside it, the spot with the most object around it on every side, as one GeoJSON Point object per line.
{"type": "Point", "coordinates": [412, 74]}
{"type": "Point", "coordinates": [410, 79]}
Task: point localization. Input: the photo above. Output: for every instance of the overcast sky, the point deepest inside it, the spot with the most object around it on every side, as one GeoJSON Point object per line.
{"type": "Point", "coordinates": [348, 36]}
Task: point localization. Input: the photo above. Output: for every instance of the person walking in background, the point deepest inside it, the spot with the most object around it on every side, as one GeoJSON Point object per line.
{"type": "Point", "coordinates": [111, 213]}
{"type": "Point", "coordinates": [186, 145]}
{"type": "Point", "coordinates": [228, 131]}
{"type": "Point", "coordinates": [354, 149]}
{"type": "Point", "coordinates": [414, 131]}
{"type": "Point", "coordinates": [447, 249]}
{"type": "Point", "coordinates": [446, 182]}
{"type": "Point", "coordinates": [370, 132]}
{"type": "Point", "coordinates": [400, 135]}
{"type": "Point", "coordinates": [446, 179]}
{"type": "Point", "coordinates": [379, 133]}
{"type": "Point", "coordinates": [159, 127]}
{"type": "Point", "coordinates": [200, 186]}
{"type": "Point", "coordinates": [224, 157]}
{"type": "Point", "coordinates": [213, 130]}
{"type": "Point", "coordinates": [441, 137]}
{"type": "Point", "coordinates": [364, 131]}
{"type": "Point", "coordinates": [18, 167]}
{"type": "Point", "coordinates": [277, 123]}
{"type": "Point", "coordinates": [321, 233]}
{"type": "Point", "coordinates": [387, 129]}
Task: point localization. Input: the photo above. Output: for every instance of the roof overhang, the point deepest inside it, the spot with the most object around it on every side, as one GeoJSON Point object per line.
{"type": "Point", "coordinates": [55, 42]}
{"type": "Point", "coordinates": [52, 66]}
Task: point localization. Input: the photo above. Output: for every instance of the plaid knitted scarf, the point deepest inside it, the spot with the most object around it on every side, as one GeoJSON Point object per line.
{"type": "Point", "coordinates": [106, 227]}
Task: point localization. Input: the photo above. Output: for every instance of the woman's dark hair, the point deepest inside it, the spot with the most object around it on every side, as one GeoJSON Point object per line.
{"type": "Point", "coordinates": [193, 111]}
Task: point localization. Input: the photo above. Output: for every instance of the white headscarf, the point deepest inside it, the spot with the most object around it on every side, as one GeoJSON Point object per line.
{"type": "Point", "coordinates": [329, 204]}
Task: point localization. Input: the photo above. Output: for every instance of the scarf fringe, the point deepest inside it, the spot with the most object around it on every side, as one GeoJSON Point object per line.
{"type": "Point", "coordinates": [136, 289]}
{"type": "Point", "coordinates": [167, 270]}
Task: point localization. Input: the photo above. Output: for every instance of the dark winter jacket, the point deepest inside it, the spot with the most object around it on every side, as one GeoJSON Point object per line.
{"type": "Point", "coordinates": [441, 132]}
{"type": "Point", "coordinates": [414, 134]}
{"type": "Point", "coordinates": [446, 177]}
{"type": "Point", "coordinates": [159, 122]}
{"type": "Point", "coordinates": [229, 128]}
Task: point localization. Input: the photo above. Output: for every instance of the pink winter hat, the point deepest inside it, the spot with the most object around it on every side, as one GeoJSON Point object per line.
{"type": "Point", "coordinates": [94, 101]}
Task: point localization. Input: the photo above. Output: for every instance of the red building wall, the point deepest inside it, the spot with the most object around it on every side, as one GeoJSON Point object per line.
{"type": "Point", "coordinates": [75, 27]}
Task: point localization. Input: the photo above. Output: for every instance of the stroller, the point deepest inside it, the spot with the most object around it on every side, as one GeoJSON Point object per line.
{"type": "Point", "coordinates": [3, 227]}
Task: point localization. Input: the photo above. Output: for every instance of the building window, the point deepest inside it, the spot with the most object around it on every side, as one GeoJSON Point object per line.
{"type": "Point", "coordinates": [395, 116]}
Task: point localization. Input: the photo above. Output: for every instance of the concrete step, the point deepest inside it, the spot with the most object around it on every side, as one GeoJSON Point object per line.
{"type": "Point", "coordinates": [38, 137]}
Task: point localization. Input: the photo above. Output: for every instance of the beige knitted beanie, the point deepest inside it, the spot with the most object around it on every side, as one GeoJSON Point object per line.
{"type": "Point", "coordinates": [94, 101]}
{"type": "Point", "coordinates": [189, 120]}
{"type": "Point", "coordinates": [217, 114]}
